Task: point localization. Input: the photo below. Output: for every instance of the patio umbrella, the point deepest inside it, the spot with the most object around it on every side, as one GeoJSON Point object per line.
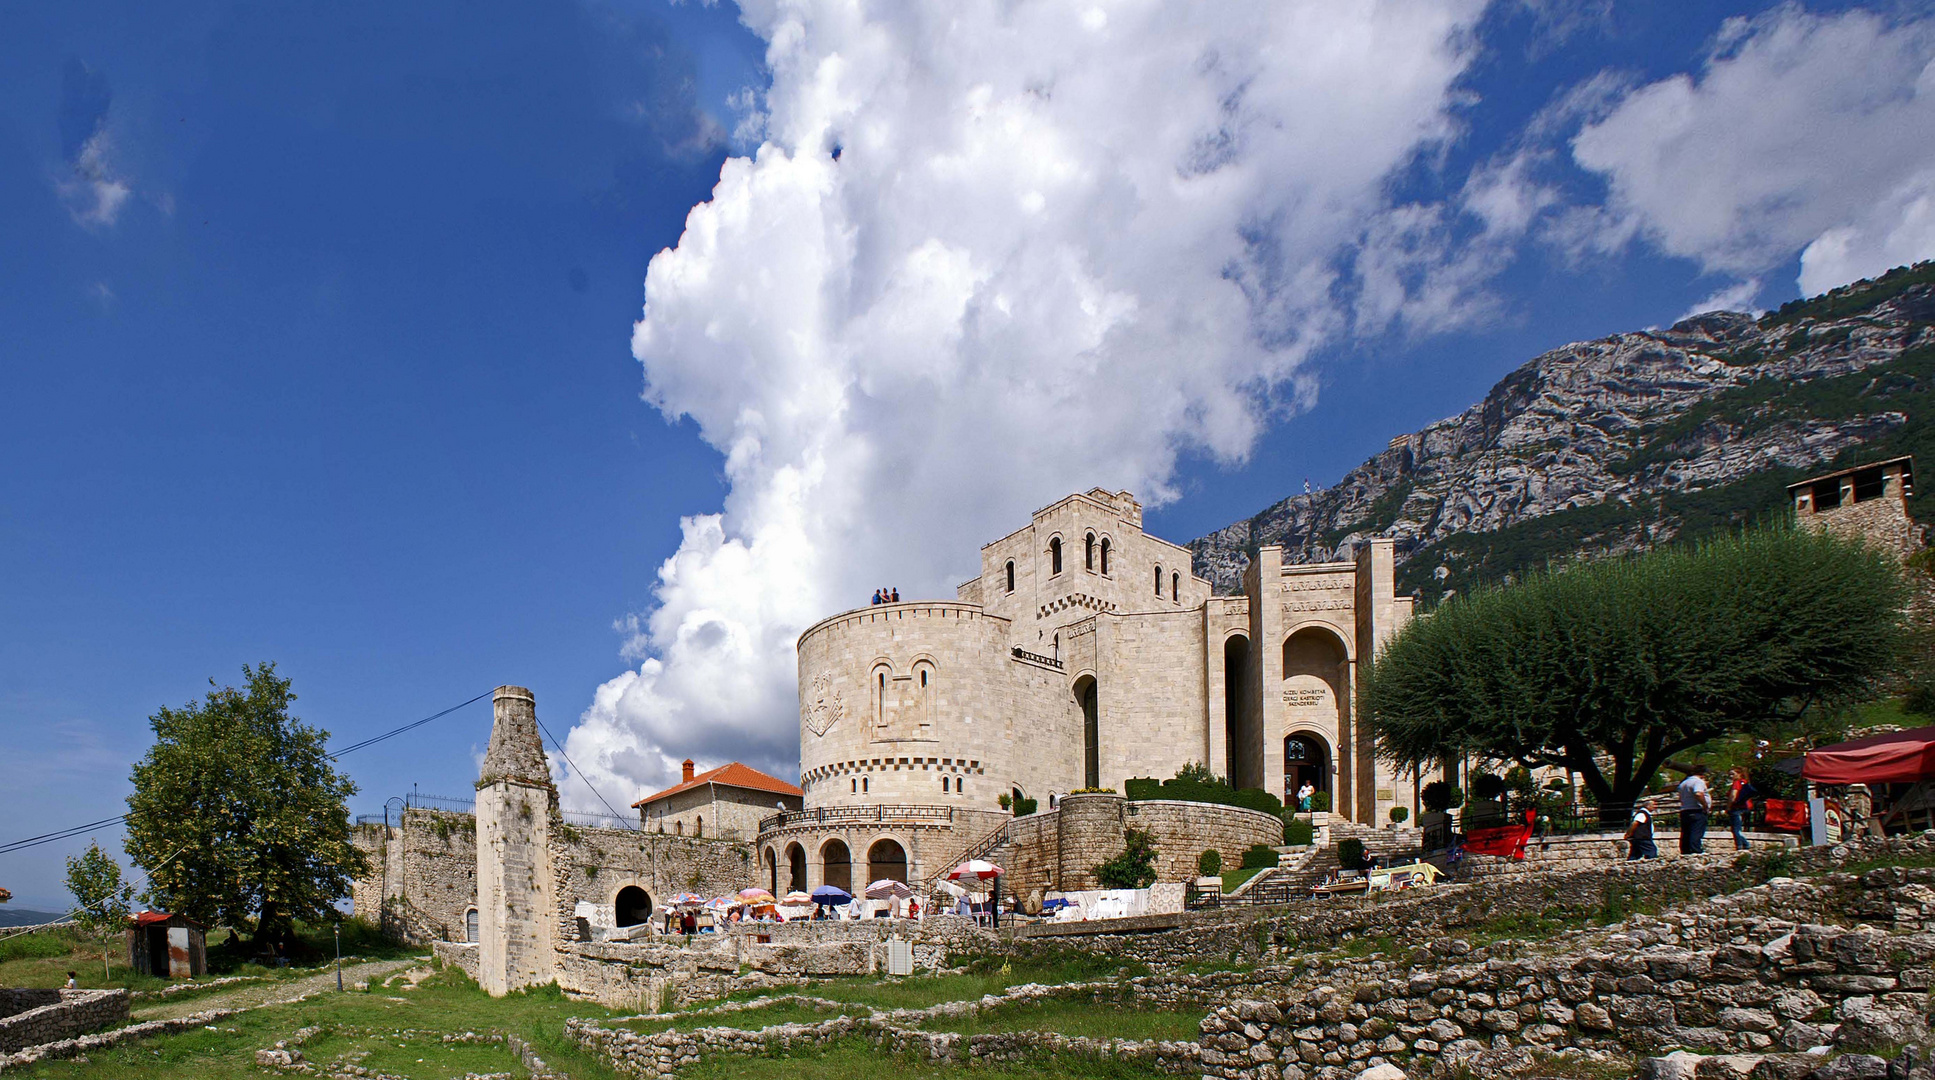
{"type": "Point", "coordinates": [888, 889]}
{"type": "Point", "coordinates": [831, 894]}
{"type": "Point", "coordinates": [686, 899]}
{"type": "Point", "coordinates": [974, 870]}
{"type": "Point", "coordinates": [718, 903]}
{"type": "Point", "coordinates": [756, 896]}
{"type": "Point", "coordinates": [796, 898]}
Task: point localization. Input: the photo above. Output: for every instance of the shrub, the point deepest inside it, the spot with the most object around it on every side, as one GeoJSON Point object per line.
{"type": "Point", "coordinates": [1024, 807]}
{"type": "Point", "coordinates": [1350, 853]}
{"type": "Point", "coordinates": [1398, 814]}
{"type": "Point", "coordinates": [1297, 832]}
{"type": "Point", "coordinates": [1440, 796]}
{"type": "Point", "coordinates": [1320, 801]}
{"type": "Point", "coordinates": [1487, 787]}
{"type": "Point", "coordinates": [1189, 785]}
{"type": "Point", "coordinates": [1005, 801]}
{"type": "Point", "coordinates": [1093, 791]}
{"type": "Point", "coordinates": [1135, 868]}
{"type": "Point", "coordinates": [1259, 855]}
{"type": "Point", "coordinates": [1209, 863]}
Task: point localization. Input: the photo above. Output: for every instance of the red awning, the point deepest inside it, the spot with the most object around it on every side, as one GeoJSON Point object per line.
{"type": "Point", "coordinates": [1899, 757]}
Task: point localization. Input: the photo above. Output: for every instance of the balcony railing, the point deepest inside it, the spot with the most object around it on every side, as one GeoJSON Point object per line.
{"type": "Point", "coordinates": [859, 815]}
{"type": "Point", "coordinates": [1037, 658]}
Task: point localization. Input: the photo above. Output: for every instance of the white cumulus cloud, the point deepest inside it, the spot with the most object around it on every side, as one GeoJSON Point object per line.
{"type": "Point", "coordinates": [989, 253]}
{"type": "Point", "coordinates": [1802, 133]}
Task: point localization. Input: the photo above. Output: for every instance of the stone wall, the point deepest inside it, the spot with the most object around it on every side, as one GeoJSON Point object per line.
{"type": "Point", "coordinates": [71, 1013]}
{"type": "Point", "coordinates": [1729, 975]}
{"type": "Point", "coordinates": [1059, 850]}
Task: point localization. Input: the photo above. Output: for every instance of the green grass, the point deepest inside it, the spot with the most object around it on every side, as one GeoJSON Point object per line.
{"type": "Point", "coordinates": [44, 958]}
{"type": "Point", "coordinates": [856, 1060]}
{"type": "Point", "coordinates": [359, 1028]}
{"type": "Point", "coordinates": [1077, 1018]}
{"type": "Point", "coordinates": [1234, 878]}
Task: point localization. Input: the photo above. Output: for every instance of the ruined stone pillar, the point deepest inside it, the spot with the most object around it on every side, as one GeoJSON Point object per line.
{"type": "Point", "coordinates": [516, 919]}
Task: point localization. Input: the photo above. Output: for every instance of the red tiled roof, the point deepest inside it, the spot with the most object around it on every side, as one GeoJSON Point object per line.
{"type": "Point", "coordinates": [729, 775]}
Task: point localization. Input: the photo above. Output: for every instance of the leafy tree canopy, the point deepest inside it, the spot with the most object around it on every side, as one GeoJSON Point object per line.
{"type": "Point", "coordinates": [1611, 667]}
{"type": "Point", "coordinates": [237, 814]}
{"type": "Point", "coordinates": [102, 900]}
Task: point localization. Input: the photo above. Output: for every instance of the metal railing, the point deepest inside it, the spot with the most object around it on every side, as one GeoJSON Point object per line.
{"type": "Point", "coordinates": [1271, 891]}
{"type": "Point", "coordinates": [1036, 658]}
{"type": "Point", "coordinates": [859, 815]}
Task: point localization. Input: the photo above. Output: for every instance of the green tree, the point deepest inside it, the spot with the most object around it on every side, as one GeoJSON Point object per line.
{"type": "Point", "coordinates": [237, 814]}
{"type": "Point", "coordinates": [1630, 661]}
{"type": "Point", "coordinates": [102, 901]}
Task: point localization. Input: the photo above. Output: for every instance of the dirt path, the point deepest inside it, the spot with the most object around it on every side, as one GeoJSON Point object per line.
{"type": "Point", "coordinates": [270, 993]}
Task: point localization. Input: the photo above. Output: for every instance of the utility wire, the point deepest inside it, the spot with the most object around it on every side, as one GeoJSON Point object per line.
{"type": "Point", "coordinates": [64, 834]}
{"type": "Point", "coordinates": [580, 773]}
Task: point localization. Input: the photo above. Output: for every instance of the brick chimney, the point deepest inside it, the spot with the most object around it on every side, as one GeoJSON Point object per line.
{"type": "Point", "coordinates": [688, 768]}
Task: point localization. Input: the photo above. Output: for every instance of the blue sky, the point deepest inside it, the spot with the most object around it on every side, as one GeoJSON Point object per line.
{"type": "Point", "coordinates": [317, 329]}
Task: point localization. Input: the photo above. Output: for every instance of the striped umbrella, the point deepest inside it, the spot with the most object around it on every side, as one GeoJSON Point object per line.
{"type": "Point", "coordinates": [974, 870]}
{"type": "Point", "coordinates": [686, 899]}
{"type": "Point", "coordinates": [795, 898]}
{"type": "Point", "coordinates": [756, 896]}
{"type": "Point", "coordinates": [888, 889]}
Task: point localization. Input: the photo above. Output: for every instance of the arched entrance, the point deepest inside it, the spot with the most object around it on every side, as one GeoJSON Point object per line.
{"type": "Point", "coordinates": [1316, 700]}
{"type": "Point", "coordinates": [772, 871]}
{"type": "Point", "coordinates": [1091, 732]}
{"type": "Point", "coordinates": [836, 865]}
{"type": "Point", "coordinates": [1242, 742]}
{"type": "Point", "coordinates": [632, 906]}
{"type": "Point", "coordinates": [886, 859]}
{"type": "Point", "coordinates": [795, 868]}
{"type": "Point", "coordinates": [1305, 760]}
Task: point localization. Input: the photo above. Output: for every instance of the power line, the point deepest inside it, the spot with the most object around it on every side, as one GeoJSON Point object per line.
{"type": "Point", "coordinates": [68, 833]}
{"type": "Point", "coordinates": [622, 819]}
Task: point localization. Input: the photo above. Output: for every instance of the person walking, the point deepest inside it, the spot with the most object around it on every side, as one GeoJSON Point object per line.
{"type": "Point", "coordinates": [1696, 802]}
{"type": "Point", "coordinates": [1639, 834]}
{"type": "Point", "coordinates": [1739, 801]}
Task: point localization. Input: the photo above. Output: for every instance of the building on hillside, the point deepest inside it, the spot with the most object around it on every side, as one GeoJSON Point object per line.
{"type": "Point", "coordinates": [1868, 501]}
{"type": "Point", "coordinates": [1085, 653]}
{"type": "Point", "coordinates": [727, 802]}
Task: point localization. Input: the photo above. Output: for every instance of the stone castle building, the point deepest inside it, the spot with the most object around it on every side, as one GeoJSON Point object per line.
{"type": "Point", "coordinates": [1086, 653]}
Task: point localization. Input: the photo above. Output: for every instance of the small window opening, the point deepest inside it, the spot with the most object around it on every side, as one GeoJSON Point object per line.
{"type": "Point", "coordinates": [1055, 555]}
{"type": "Point", "coordinates": [1105, 556]}
{"type": "Point", "coordinates": [863, 785]}
{"type": "Point", "coordinates": [1011, 575]}
{"type": "Point", "coordinates": [923, 677]}
{"type": "Point", "coordinates": [1175, 587]}
{"type": "Point", "coordinates": [1158, 581]}
{"type": "Point", "coordinates": [1088, 553]}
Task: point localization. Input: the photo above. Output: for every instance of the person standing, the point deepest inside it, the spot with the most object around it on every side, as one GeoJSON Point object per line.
{"type": "Point", "coordinates": [1304, 795]}
{"type": "Point", "coordinates": [1696, 802]}
{"type": "Point", "coordinates": [1639, 835]}
{"type": "Point", "coordinates": [1739, 801]}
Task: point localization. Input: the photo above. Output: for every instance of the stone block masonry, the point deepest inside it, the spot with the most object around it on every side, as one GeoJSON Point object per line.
{"type": "Point", "coordinates": [32, 1017]}
{"type": "Point", "coordinates": [1059, 850]}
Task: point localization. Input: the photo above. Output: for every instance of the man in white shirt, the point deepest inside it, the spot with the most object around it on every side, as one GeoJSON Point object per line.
{"type": "Point", "coordinates": [1695, 804]}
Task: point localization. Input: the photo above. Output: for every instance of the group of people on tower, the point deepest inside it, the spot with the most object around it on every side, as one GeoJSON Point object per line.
{"type": "Point", "coordinates": [886, 596]}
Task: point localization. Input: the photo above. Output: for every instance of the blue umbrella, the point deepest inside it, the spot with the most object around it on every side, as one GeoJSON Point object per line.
{"type": "Point", "coordinates": [832, 894]}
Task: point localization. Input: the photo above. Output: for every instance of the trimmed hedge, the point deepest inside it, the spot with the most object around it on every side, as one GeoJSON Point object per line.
{"type": "Point", "coordinates": [1197, 791]}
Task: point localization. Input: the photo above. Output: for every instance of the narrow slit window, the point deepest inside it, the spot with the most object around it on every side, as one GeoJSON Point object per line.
{"type": "Point", "coordinates": [1158, 581]}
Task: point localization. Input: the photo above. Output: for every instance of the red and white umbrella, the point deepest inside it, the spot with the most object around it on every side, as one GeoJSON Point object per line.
{"type": "Point", "coordinates": [974, 870]}
{"type": "Point", "coordinates": [888, 889]}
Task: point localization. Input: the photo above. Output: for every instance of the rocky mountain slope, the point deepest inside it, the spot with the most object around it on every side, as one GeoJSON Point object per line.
{"type": "Point", "coordinates": [1605, 446]}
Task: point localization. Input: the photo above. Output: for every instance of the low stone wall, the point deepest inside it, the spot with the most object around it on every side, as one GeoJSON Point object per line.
{"type": "Point", "coordinates": [458, 954]}
{"type": "Point", "coordinates": [71, 1013]}
{"type": "Point", "coordinates": [20, 999]}
{"type": "Point", "coordinates": [1589, 851]}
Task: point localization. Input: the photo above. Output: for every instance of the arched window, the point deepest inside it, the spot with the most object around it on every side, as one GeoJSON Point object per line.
{"type": "Point", "coordinates": [698, 826]}
{"type": "Point", "coordinates": [863, 785]}
{"type": "Point", "coordinates": [1175, 587]}
{"type": "Point", "coordinates": [856, 785]}
{"type": "Point", "coordinates": [1055, 555]}
{"type": "Point", "coordinates": [1011, 575]}
{"type": "Point", "coordinates": [1158, 581]}
{"type": "Point", "coordinates": [1105, 555]}
{"type": "Point", "coordinates": [943, 785]}
{"type": "Point", "coordinates": [1088, 552]}
{"type": "Point", "coordinates": [679, 827]}
{"type": "Point", "coordinates": [470, 925]}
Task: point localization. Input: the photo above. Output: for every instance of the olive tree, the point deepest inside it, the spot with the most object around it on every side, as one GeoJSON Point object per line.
{"type": "Point", "coordinates": [1609, 668]}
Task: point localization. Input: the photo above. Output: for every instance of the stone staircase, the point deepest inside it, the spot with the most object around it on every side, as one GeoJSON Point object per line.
{"type": "Point", "coordinates": [1302, 870]}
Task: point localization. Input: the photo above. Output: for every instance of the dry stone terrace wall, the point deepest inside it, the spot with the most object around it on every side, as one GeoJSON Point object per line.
{"type": "Point", "coordinates": [1061, 848]}
{"type": "Point", "coordinates": [33, 1020]}
{"type": "Point", "coordinates": [1714, 978]}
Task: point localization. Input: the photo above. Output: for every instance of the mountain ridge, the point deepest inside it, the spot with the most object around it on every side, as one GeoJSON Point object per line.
{"type": "Point", "coordinates": [1605, 446]}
